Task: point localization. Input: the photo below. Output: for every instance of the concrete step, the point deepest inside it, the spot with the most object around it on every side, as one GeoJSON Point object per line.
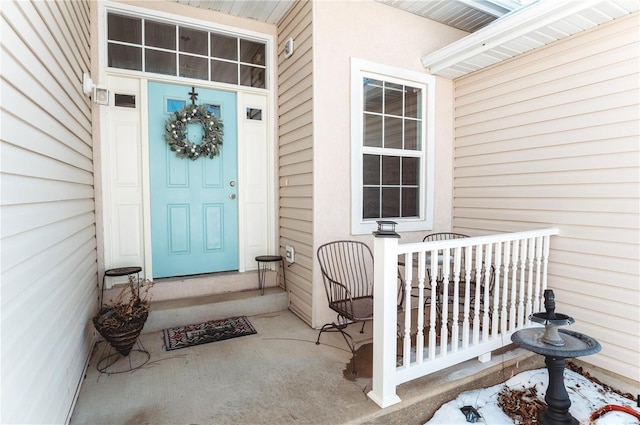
{"type": "Point", "coordinates": [207, 284]}
{"type": "Point", "coordinates": [169, 313]}
{"type": "Point", "coordinates": [188, 300]}
{"type": "Point", "coordinates": [197, 286]}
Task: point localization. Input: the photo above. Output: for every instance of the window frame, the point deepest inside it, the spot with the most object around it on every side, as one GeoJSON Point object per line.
{"type": "Point", "coordinates": [361, 69]}
{"type": "Point", "coordinates": [108, 6]}
{"type": "Point", "coordinates": [181, 55]}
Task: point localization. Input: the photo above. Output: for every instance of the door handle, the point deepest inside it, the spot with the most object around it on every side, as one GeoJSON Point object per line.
{"type": "Point", "coordinates": [232, 183]}
{"type": "Point", "coordinates": [232, 196]}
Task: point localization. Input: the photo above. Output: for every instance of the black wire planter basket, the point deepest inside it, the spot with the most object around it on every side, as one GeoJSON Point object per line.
{"type": "Point", "coordinates": [120, 331]}
{"type": "Point", "coordinates": [121, 324]}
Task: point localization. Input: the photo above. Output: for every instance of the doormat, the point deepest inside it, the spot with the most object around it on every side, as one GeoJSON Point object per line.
{"type": "Point", "coordinates": [203, 333]}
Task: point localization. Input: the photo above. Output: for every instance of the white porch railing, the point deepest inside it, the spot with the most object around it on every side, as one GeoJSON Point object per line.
{"type": "Point", "coordinates": [493, 284]}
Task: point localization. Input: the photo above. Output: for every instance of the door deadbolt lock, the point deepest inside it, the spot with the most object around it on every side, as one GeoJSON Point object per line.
{"type": "Point", "coordinates": [232, 183]}
{"type": "Point", "coordinates": [232, 196]}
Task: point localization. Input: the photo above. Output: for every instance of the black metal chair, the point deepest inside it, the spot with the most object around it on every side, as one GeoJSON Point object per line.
{"type": "Point", "coordinates": [450, 235]}
{"type": "Point", "coordinates": [431, 237]}
{"type": "Point", "coordinates": [347, 272]}
{"type": "Point", "coordinates": [442, 236]}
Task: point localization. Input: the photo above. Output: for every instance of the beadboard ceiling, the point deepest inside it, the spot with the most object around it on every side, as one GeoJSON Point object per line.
{"type": "Point", "coordinates": [269, 11]}
{"type": "Point", "coordinates": [536, 25]}
{"type": "Point", "coordinates": [467, 15]}
{"type": "Point", "coordinates": [499, 29]}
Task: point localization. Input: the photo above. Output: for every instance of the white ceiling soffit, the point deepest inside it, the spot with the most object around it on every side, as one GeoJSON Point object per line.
{"type": "Point", "coordinates": [533, 26]}
{"type": "Point", "coordinates": [269, 11]}
{"type": "Point", "coordinates": [465, 15]}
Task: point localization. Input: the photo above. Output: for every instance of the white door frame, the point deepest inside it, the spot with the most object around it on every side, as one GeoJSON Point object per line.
{"type": "Point", "coordinates": [251, 196]}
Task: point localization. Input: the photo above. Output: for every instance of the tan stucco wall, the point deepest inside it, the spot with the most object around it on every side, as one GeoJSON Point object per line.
{"type": "Point", "coordinates": [378, 33]}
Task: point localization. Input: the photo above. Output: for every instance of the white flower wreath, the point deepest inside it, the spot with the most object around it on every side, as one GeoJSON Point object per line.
{"type": "Point", "coordinates": [176, 132]}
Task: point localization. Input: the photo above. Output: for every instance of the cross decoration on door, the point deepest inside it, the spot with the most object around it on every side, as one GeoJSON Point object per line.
{"type": "Point", "coordinates": [193, 95]}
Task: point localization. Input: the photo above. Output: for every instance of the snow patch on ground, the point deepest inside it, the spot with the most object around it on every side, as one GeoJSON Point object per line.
{"type": "Point", "coordinates": [585, 396]}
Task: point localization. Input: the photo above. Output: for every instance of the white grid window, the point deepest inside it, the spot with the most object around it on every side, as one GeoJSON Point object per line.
{"type": "Point", "coordinates": [391, 166]}
{"type": "Point", "coordinates": [146, 45]}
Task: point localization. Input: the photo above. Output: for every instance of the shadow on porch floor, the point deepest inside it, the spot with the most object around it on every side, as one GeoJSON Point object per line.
{"type": "Point", "coordinates": [278, 376]}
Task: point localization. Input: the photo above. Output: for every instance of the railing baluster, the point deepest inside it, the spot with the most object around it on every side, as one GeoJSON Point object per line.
{"type": "Point", "coordinates": [538, 292]}
{"type": "Point", "coordinates": [456, 299]}
{"type": "Point", "coordinates": [408, 278]}
{"type": "Point", "coordinates": [486, 303]}
{"type": "Point", "coordinates": [514, 287]}
{"type": "Point", "coordinates": [505, 288]}
{"type": "Point", "coordinates": [444, 321]}
{"type": "Point", "coordinates": [521, 265]}
{"type": "Point", "coordinates": [496, 313]}
{"type": "Point", "coordinates": [530, 255]}
{"type": "Point", "coordinates": [435, 299]}
{"type": "Point", "coordinates": [467, 296]}
{"type": "Point", "coordinates": [476, 304]}
{"type": "Point", "coordinates": [420, 322]}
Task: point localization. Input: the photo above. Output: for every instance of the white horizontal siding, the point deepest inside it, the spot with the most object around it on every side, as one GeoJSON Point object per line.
{"type": "Point", "coordinates": [551, 138]}
{"type": "Point", "coordinates": [48, 234]}
{"type": "Point", "coordinates": [295, 154]}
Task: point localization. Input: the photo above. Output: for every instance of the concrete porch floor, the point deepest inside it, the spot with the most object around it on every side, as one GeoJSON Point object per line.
{"type": "Point", "coordinates": [278, 376]}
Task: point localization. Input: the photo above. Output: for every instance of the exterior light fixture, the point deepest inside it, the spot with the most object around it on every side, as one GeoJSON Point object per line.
{"type": "Point", "coordinates": [288, 47]}
{"type": "Point", "coordinates": [386, 229]}
{"type": "Point", "coordinates": [100, 95]}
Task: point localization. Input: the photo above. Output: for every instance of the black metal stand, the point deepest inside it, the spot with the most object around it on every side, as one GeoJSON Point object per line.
{"type": "Point", "coordinates": [263, 265]}
{"type": "Point", "coordinates": [113, 362]}
{"type": "Point", "coordinates": [121, 271]}
{"type": "Point", "coordinates": [557, 398]}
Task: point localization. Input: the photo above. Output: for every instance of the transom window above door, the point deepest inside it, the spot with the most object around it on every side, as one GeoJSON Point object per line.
{"type": "Point", "coordinates": [146, 45]}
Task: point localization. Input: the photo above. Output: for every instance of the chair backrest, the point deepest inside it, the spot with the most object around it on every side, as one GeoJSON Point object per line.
{"type": "Point", "coordinates": [443, 236]}
{"type": "Point", "coordinates": [346, 265]}
{"type": "Point", "coordinates": [449, 235]}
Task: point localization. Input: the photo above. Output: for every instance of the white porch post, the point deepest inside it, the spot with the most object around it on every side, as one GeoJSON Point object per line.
{"type": "Point", "coordinates": [385, 312]}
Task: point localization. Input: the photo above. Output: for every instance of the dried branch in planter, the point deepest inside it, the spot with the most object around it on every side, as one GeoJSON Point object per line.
{"type": "Point", "coordinates": [131, 303]}
{"type": "Point", "coordinates": [522, 406]}
{"type": "Point", "coordinates": [121, 323]}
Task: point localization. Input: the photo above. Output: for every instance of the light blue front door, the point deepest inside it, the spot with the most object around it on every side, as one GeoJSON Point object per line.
{"type": "Point", "coordinates": [194, 210]}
